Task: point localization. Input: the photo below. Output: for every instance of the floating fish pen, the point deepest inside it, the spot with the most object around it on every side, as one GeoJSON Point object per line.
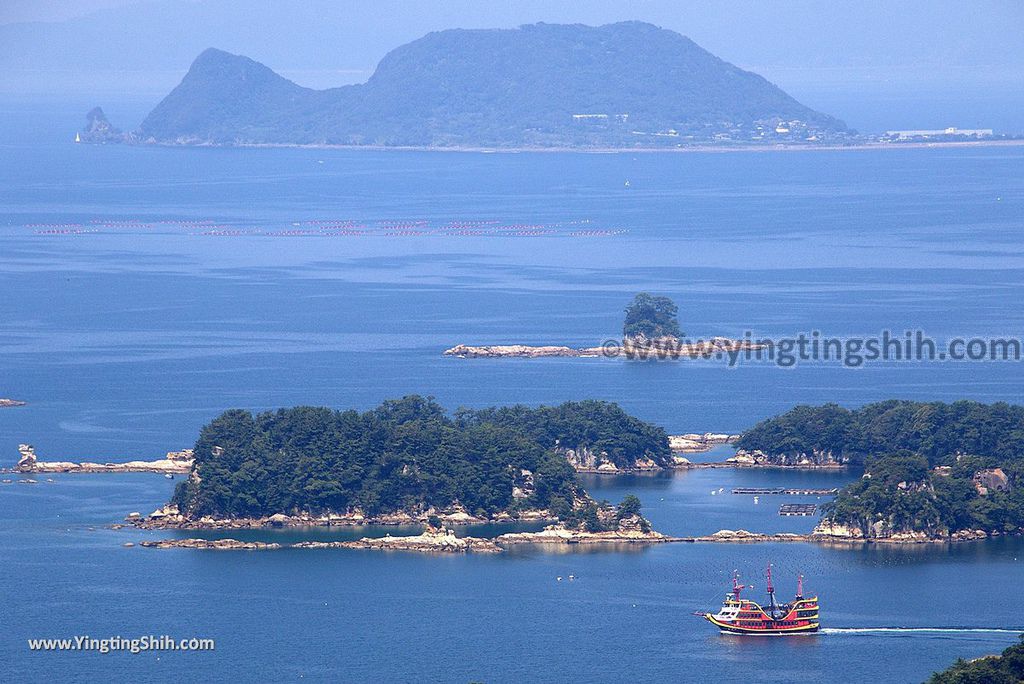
{"type": "Point", "coordinates": [760, 491]}
{"type": "Point", "coordinates": [798, 509]}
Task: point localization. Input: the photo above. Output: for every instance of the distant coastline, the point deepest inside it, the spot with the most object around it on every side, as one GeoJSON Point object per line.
{"type": "Point", "coordinates": [722, 149]}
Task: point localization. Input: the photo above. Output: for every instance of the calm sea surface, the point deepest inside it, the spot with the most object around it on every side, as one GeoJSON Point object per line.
{"type": "Point", "coordinates": [142, 291]}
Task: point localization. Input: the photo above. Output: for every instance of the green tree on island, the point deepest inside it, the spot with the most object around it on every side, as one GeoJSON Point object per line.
{"type": "Point", "coordinates": [1007, 668]}
{"type": "Point", "coordinates": [629, 507]}
{"type": "Point", "coordinates": [651, 317]}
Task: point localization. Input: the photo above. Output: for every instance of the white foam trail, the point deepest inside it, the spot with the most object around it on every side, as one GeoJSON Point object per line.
{"type": "Point", "coordinates": [923, 630]}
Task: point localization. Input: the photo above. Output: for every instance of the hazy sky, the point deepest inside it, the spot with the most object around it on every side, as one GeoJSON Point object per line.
{"type": "Point", "coordinates": [876, 64]}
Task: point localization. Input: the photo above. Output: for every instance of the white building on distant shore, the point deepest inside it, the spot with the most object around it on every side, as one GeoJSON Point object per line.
{"type": "Point", "coordinates": [952, 130]}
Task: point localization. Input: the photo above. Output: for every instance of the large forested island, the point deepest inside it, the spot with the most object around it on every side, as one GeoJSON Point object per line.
{"type": "Point", "coordinates": [933, 471]}
{"type": "Point", "coordinates": [409, 460]}
{"type": "Point", "coordinates": [629, 84]}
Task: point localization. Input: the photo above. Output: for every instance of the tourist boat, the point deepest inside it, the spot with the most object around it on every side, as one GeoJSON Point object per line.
{"type": "Point", "coordinates": [743, 616]}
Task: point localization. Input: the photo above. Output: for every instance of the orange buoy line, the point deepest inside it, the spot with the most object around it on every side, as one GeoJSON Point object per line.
{"type": "Point", "coordinates": [338, 228]}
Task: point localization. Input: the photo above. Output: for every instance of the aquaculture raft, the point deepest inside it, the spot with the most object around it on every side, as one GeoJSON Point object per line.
{"type": "Point", "coordinates": [798, 509]}
{"type": "Point", "coordinates": [782, 490]}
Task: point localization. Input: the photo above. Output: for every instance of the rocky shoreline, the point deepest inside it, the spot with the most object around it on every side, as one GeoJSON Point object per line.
{"type": "Point", "coordinates": [557, 534]}
{"type": "Point", "coordinates": [465, 351]}
{"type": "Point", "coordinates": [835, 533]}
{"type": "Point", "coordinates": [227, 544]}
{"type": "Point", "coordinates": [176, 463]}
{"type": "Point", "coordinates": [431, 540]}
{"type": "Point", "coordinates": [698, 443]}
{"type": "Point", "coordinates": [765, 466]}
{"type": "Point", "coordinates": [632, 348]}
{"type": "Point", "coordinates": [11, 403]}
{"type": "Point", "coordinates": [585, 460]}
{"type": "Point", "coordinates": [445, 541]}
{"type": "Point", "coordinates": [169, 518]}
{"type": "Point", "coordinates": [817, 460]}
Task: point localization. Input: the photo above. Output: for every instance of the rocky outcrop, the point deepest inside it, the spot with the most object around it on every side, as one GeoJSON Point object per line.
{"type": "Point", "coordinates": [176, 462]}
{"type": "Point", "coordinates": [432, 540]}
{"type": "Point", "coordinates": [10, 403]}
{"type": "Point", "coordinates": [991, 480]}
{"type": "Point", "coordinates": [816, 460]}
{"type": "Point", "coordinates": [632, 529]}
{"type": "Point", "coordinates": [558, 534]}
{"type": "Point", "coordinates": [27, 460]}
{"type": "Point", "coordinates": [523, 486]}
{"type": "Point", "coordinates": [827, 531]}
{"type": "Point", "coordinates": [585, 460]}
{"type": "Point", "coordinates": [98, 129]}
{"type": "Point", "coordinates": [465, 351]}
{"type": "Point", "coordinates": [228, 544]}
{"type": "Point", "coordinates": [693, 443]}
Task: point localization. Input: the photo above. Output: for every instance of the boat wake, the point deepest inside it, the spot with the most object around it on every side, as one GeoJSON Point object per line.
{"type": "Point", "coordinates": [919, 630]}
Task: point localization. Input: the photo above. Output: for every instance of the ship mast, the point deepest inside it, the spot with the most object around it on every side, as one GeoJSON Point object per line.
{"type": "Point", "coordinates": [799, 586]}
{"type": "Point", "coordinates": [771, 592]}
{"type": "Point", "coordinates": [737, 588]}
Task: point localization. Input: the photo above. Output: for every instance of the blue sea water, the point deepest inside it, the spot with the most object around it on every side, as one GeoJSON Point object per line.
{"type": "Point", "coordinates": [144, 290]}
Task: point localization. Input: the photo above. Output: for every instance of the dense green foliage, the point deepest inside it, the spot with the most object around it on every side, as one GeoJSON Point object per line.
{"type": "Point", "coordinates": [935, 430]}
{"type": "Point", "coordinates": [1007, 668]}
{"type": "Point", "coordinates": [651, 317]}
{"type": "Point", "coordinates": [405, 455]}
{"type": "Point", "coordinates": [596, 425]}
{"type": "Point", "coordinates": [904, 494]}
{"type": "Point", "coordinates": [900, 443]}
{"type": "Point", "coordinates": [489, 87]}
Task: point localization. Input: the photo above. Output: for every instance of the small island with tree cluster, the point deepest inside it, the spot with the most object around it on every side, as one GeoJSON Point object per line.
{"type": "Point", "coordinates": [650, 330]}
{"type": "Point", "coordinates": [407, 462]}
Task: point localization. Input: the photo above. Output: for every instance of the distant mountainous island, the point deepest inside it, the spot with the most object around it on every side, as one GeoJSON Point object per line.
{"type": "Point", "coordinates": [628, 84]}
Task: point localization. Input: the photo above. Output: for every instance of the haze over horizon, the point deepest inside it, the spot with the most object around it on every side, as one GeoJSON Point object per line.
{"type": "Point", "coordinates": [877, 65]}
